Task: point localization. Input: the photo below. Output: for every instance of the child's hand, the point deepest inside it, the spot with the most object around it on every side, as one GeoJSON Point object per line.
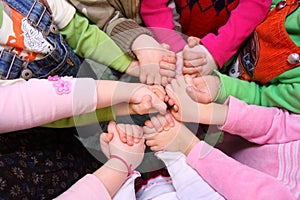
{"type": "Point", "coordinates": [184, 108]}
{"type": "Point", "coordinates": [175, 138]}
{"type": "Point", "coordinates": [167, 68]}
{"type": "Point", "coordinates": [158, 123]}
{"type": "Point", "coordinates": [203, 89]}
{"type": "Point", "coordinates": [157, 104]}
{"type": "Point", "coordinates": [149, 53]}
{"type": "Point", "coordinates": [132, 155]}
{"type": "Point", "coordinates": [159, 91]}
{"type": "Point", "coordinates": [197, 59]}
{"type": "Point", "coordinates": [129, 133]}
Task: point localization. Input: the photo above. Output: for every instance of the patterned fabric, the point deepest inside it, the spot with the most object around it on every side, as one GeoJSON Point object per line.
{"type": "Point", "coordinates": [41, 163]}
{"type": "Point", "coordinates": [205, 15]}
{"type": "Point", "coordinates": [30, 44]}
{"type": "Point", "coordinates": [117, 18]}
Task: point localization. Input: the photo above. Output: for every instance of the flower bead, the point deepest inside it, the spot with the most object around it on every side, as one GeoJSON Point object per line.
{"type": "Point", "coordinates": [53, 78]}
{"type": "Point", "coordinates": [62, 87]}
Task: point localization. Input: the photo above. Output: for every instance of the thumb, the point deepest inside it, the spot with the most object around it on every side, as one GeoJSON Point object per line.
{"type": "Point", "coordinates": [193, 41]}
{"type": "Point", "coordinates": [165, 46]}
{"type": "Point", "coordinates": [193, 93]}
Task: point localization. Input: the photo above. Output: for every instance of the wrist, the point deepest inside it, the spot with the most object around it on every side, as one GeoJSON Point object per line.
{"type": "Point", "coordinates": [120, 165]}
{"type": "Point", "coordinates": [190, 146]}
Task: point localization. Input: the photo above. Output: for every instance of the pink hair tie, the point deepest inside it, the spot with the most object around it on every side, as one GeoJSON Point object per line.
{"type": "Point", "coordinates": [129, 167]}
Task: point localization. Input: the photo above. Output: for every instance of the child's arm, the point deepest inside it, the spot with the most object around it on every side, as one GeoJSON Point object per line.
{"type": "Point", "coordinates": [187, 110]}
{"type": "Point", "coordinates": [158, 17]}
{"type": "Point", "coordinates": [227, 176]}
{"type": "Point", "coordinates": [282, 91]}
{"type": "Point", "coordinates": [272, 125]}
{"type": "Point", "coordinates": [87, 40]}
{"type": "Point", "coordinates": [240, 25]}
{"type": "Point", "coordinates": [108, 179]}
{"type": "Point", "coordinates": [232, 179]}
{"type": "Point", "coordinates": [41, 101]}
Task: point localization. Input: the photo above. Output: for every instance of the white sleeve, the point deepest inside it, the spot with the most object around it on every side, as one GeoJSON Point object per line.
{"type": "Point", "coordinates": [62, 12]}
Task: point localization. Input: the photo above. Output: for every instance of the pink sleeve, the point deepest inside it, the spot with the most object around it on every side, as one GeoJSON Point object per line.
{"type": "Point", "coordinates": [232, 179]}
{"type": "Point", "coordinates": [242, 22]}
{"type": "Point", "coordinates": [158, 17]}
{"type": "Point", "coordinates": [36, 102]}
{"type": "Point", "coordinates": [88, 187]}
{"type": "Point", "coordinates": [261, 125]}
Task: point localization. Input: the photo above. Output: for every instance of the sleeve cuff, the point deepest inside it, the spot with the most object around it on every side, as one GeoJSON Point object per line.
{"type": "Point", "coordinates": [124, 32]}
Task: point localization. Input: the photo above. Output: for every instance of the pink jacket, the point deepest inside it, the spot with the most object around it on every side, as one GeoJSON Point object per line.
{"type": "Point", "coordinates": [243, 20]}
{"type": "Point", "coordinates": [267, 167]}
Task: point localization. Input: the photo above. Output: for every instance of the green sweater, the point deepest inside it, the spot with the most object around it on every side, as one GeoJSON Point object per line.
{"type": "Point", "coordinates": [282, 91]}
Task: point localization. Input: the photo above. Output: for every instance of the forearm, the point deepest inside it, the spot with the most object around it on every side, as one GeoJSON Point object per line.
{"type": "Point", "coordinates": [213, 113]}
{"type": "Point", "coordinates": [89, 41]}
{"type": "Point", "coordinates": [88, 187]}
{"type": "Point", "coordinates": [124, 32]}
{"type": "Point", "coordinates": [37, 102]}
{"type": "Point", "coordinates": [115, 92]}
{"type": "Point", "coordinates": [111, 177]}
{"type": "Point", "coordinates": [239, 26]}
{"type": "Point", "coordinates": [268, 122]}
{"type": "Point", "coordinates": [281, 94]}
{"type": "Point", "coordinates": [231, 178]}
{"type": "Point", "coordinates": [159, 18]}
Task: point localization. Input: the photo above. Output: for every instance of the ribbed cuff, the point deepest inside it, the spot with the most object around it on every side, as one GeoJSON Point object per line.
{"type": "Point", "coordinates": [125, 32]}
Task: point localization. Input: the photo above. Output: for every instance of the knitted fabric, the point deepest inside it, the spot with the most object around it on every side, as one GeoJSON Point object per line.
{"type": "Point", "coordinates": [199, 18]}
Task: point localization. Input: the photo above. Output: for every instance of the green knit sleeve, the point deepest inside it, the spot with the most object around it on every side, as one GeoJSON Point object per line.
{"type": "Point", "coordinates": [100, 115]}
{"type": "Point", "coordinates": [88, 41]}
{"type": "Point", "coordinates": [281, 92]}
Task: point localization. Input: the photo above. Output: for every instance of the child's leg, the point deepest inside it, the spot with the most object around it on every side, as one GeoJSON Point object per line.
{"type": "Point", "coordinates": [187, 182]}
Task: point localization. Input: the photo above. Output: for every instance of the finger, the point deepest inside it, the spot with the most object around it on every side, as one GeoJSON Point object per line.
{"type": "Point", "coordinates": [157, 124]}
{"type": "Point", "coordinates": [104, 144]}
{"type": "Point", "coordinates": [137, 133]}
{"type": "Point", "coordinates": [105, 138]}
{"type": "Point", "coordinates": [169, 120]}
{"type": "Point", "coordinates": [168, 62]}
{"type": "Point", "coordinates": [164, 82]}
{"type": "Point", "coordinates": [150, 143]}
{"type": "Point", "coordinates": [157, 79]}
{"type": "Point", "coordinates": [191, 70]}
{"type": "Point", "coordinates": [129, 134]}
{"type": "Point", "coordinates": [196, 95]}
{"type": "Point", "coordinates": [165, 46]}
{"type": "Point", "coordinates": [121, 131]}
{"type": "Point", "coordinates": [155, 148]}
{"type": "Point", "coordinates": [192, 54]}
{"type": "Point", "coordinates": [148, 132]}
{"type": "Point", "coordinates": [193, 41]}
{"type": "Point", "coordinates": [188, 79]}
{"type": "Point", "coordinates": [159, 106]}
{"type": "Point", "coordinates": [143, 77]}
{"type": "Point", "coordinates": [167, 73]}
{"type": "Point", "coordinates": [195, 62]}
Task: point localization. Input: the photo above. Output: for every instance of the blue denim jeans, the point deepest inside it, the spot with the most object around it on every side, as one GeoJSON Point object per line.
{"type": "Point", "coordinates": [60, 61]}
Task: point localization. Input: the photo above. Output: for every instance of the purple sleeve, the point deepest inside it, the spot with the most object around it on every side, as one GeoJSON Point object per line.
{"type": "Point", "coordinates": [232, 179]}
{"type": "Point", "coordinates": [261, 125]}
{"type": "Point", "coordinates": [27, 104]}
{"type": "Point", "coordinates": [242, 22]}
{"type": "Point", "coordinates": [158, 17]}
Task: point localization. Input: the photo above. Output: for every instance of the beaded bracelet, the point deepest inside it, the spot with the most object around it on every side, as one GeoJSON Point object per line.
{"type": "Point", "coordinates": [129, 167]}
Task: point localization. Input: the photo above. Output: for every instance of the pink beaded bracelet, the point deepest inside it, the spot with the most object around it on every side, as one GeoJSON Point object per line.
{"type": "Point", "coordinates": [129, 167]}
